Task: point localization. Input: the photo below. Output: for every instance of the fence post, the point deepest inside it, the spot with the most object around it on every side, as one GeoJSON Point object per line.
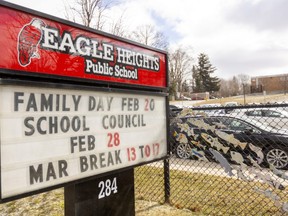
{"type": "Point", "coordinates": [167, 180]}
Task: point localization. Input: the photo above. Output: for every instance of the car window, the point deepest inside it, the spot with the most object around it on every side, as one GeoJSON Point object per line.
{"type": "Point", "coordinates": [238, 125]}
{"type": "Point", "coordinates": [218, 122]}
{"type": "Point", "coordinates": [232, 124]}
{"type": "Point", "coordinates": [271, 113]}
{"type": "Point", "coordinates": [173, 107]}
{"type": "Point", "coordinates": [254, 113]}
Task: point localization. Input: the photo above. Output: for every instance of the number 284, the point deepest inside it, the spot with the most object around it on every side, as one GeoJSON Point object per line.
{"type": "Point", "coordinates": [107, 188]}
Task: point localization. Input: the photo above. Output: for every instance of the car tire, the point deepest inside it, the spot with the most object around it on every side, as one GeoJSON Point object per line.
{"type": "Point", "coordinates": [183, 151]}
{"type": "Point", "coordinates": [278, 157]}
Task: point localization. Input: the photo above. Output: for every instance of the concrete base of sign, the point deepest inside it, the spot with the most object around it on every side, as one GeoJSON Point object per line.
{"type": "Point", "coordinates": [111, 195]}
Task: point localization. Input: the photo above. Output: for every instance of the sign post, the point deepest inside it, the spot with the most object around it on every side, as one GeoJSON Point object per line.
{"type": "Point", "coordinates": [79, 109]}
{"type": "Point", "coordinates": [108, 195]}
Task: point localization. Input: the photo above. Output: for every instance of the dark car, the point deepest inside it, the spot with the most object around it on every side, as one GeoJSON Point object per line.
{"type": "Point", "coordinates": [174, 110]}
{"type": "Point", "coordinates": [230, 136]}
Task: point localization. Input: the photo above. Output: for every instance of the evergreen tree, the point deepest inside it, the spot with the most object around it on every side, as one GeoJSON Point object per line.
{"type": "Point", "coordinates": [202, 75]}
{"type": "Point", "coordinates": [197, 84]}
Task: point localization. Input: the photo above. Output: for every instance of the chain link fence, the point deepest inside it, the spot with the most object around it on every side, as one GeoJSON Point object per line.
{"type": "Point", "coordinates": [223, 161]}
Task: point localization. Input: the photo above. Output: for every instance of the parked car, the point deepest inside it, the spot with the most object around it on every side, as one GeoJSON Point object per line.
{"type": "Point", "coordinates": [174, 110]}
{"type": "Point", "coordinates": [277, 118]}
{"type": "Point", "coordinates": [210, 105]}
{"type": "Point", "coordinates": [185, 98]}
{"type": "Point", "coordinates": [193, 136]}
{"type": "Point", "coordinates": [213, 109]}
{"type": "Point", "coordinates": [230, 106]}
{"type": "Point", "coordinates": [231, 103]}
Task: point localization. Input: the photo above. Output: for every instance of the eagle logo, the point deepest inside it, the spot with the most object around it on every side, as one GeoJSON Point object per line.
{"type": "Point", "coordinates": [28, 40]}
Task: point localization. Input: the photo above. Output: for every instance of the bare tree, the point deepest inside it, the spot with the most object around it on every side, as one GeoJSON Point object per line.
{"type": "Point", "coordinates": [244, 78]}
{"type": "Point", "coordinates": [89, 12]}
{"type": "Point", "coordinates": [180, 65]}
{"type": "Point", "coordinates": [148, 35]}
{"type": "Point", "coordinates": [225, 88]}
{"type": "Point", "coordinates": [230, 87]}
{"type": "Point", "coordinates": [245, 84]}
{"type": "Point", "coordinates": [118, 28]}
{"type": "Point", "coordinates": [235, 86]}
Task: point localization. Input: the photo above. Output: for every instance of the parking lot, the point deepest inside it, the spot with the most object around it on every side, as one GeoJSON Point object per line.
{"type": "Point", "coordinates": [227, 163]}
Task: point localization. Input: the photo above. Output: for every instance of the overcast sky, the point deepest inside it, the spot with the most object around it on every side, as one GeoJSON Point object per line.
{"type": "Point", "coordinates": [239, 36]}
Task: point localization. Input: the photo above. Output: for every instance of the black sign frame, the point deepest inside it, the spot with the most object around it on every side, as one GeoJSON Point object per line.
{"type": "Point", "coordinates": [30, 83]}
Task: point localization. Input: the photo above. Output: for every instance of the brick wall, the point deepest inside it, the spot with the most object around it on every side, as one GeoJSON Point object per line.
{"type": "Point", "coordinates": [277, 83]}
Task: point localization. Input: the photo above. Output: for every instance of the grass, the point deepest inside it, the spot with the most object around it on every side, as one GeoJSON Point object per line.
{"type": "Point", "coordinates": [149, 184]}
{"type": "Point", "coordinates": [200, 193]}
{"type": "Point", "coordinates": [240, 99]}
{"type": "Point", "coordinates": [206, 194]}
{"type": "Point", "coordinates": [49, 203]}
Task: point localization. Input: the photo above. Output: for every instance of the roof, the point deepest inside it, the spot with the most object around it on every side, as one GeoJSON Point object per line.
{"type": "Point", "coordinates": [266, 76]}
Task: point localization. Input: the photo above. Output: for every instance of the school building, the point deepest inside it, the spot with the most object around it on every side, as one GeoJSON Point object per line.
{"type": "Point", "coordinates": [270, 83]}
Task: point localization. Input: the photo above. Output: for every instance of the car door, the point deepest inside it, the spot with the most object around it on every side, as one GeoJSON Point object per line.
{"type": "Point", "coordinates": [244, 132]}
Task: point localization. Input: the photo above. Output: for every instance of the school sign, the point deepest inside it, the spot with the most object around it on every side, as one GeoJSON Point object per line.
{"type": "Point", "coordinates": [75, 102]}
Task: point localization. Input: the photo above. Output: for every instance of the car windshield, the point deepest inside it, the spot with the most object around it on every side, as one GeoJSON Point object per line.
{"type": "Point", "coordinates": [254, 113]}
{"type": "Point", "coordinates": [262, 112]}
{"type": "Point", "coordinates": [274, 113]}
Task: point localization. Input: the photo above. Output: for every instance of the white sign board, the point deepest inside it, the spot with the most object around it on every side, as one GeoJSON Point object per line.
{"type": "Point", "coordinates": [53, 136]}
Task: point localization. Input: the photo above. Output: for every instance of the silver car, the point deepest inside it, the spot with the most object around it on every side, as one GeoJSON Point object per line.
{"type": "Point", "coordinates": [277, 118]}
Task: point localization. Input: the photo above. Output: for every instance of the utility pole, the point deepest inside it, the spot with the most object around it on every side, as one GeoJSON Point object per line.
{"type": "Point", "coordinates": [285, 84]}
{"type": "Point", "coordinates": [244, 93]}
